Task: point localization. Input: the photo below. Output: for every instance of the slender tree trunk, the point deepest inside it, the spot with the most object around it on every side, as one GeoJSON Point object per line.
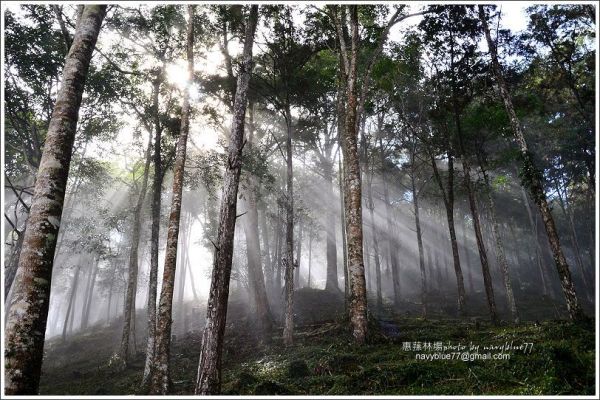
{"type": "Point", "coordinates": [310, 241]}
{"type": "Point", "coordinates": [160, 375]}
{"type": "Point", "coordinates": [87, 306]}
{"type": "Point", "coordinates": [467, 253]}
{"type": "Point", "coordinates": [538, 248]}
{"type": "Point", "coordinates": [344, 243]}
{"type": "Point", "coordinates": [181, 272]}
{"type": "Point", "coordinates": [10, 270]}
{"type": "Point", "coordinates": [277, 259]}
{"type": "Point", "coordinates": [132, 275]}
{"type": "Point", "coordinates": [500, 255]}
{"type": "Point", "coordinates": [331, 249]}
{"type": "Point", "coordinates": [209, 369]}
{"type": "Point", "coordinates": [74, 285]}
{"type": "Point", "coordinates": [353, 192]}
{"type": "Point", "coordinates": [264, 234]}
{"type": "Point", "coordinates": [288, 329]}
{"type": "Point", "coordinates": [532, 178]}
{"type": "Point", "coordinates": [191, 273]}
{"type": "Point", "coordinates": [392, 243]}
{"type": "Point", "coordinates": [26, 320]}
{"type": "Point", "coordinates": [573, 236]}
{"type": "Point", "coordinates": [154, 235]}
{"type": "Point", "coordinates": [298, 254]}
{"type": "Point", "coordinates": [487, 278]}
{"type": "Point", "coordinates": [255, 270]}
{"type": "Point", "coordinates": [415, 196]}
{"type": "Point", "coordinates": [449, 206]}
{"type": "Point", "coordinates": [376, 255]}
{"type": "Point", "coordinates": [374, 237]}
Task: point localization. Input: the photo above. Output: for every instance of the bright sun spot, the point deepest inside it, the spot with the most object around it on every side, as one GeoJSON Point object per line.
{"type": "Point", "coordinates": [177, 73]}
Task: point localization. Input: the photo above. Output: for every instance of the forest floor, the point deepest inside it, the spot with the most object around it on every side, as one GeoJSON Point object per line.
{"type": "Point", "coordinates": [324, 361]}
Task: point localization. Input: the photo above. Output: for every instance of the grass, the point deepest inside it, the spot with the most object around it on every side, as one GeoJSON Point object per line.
{"type": "Point", "coordinates": [324, 361]}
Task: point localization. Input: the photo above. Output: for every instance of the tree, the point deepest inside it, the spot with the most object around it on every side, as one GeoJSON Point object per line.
{"type": "Point", "coordinates": [209, 368]}
{"type": "Point", "coordinates": [532, 179]}
{"type": "Point", "coordinates": [160, 379]}
{"type": "Point", "coordinates": [132, 275]}
{"type": "Point", "coordinates": [349, 47]}
{"type": "Point", "coordinates": [26, 322]}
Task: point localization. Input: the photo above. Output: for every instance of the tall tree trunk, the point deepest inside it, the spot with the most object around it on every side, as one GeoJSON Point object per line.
{"type": "Point", "coordinates": [298, 254]}
{"type": "Point", "coordinates": [87, 306]}
{"type": "Point", "coordinates": [500, 255]}
{"type": "Point", "coordinates": [565, 207]}
{"type": "Point", "coordinates": [209, 369]}
{"type": "Point", "coordinates": [375, 239]}
{"type": "Point", "coordinates": [74, 285]}
{"type": "Point", "coordinates": [449, 206]}
{"type": "Point", "coordinates": [154, 236]}
{"type": "Point", "coordinates": [132, 275]}
{"type": "Point", "coordinates": [26, 320]}
{"type": "Point", "coordinates": [331, 249]}
{"type": "Point", "coordinates": [160, 374]}
{"type": "Point", "coordinates": [288, 328]}
{"type": "Point", "coordinates": [310, 241]}
{"type": "Point", "coordinates": [532, 178]}
{"type": "Point", "coordinates": [344, 243]}
{"type": "Point", "coordinates": [538, 248]}
{"type": "Point", "coordinates": [369, 172]}
{"type": "Point", "coordinates": [277, 258]}
{"type": "Point", "coordinates": [353, 196]}
{"type": "Point", "coordinates": [255, 271]}
{"type": "Point", "coordinates": [10, 270]}
{"type": "Point", "coordinates": [487, 278]}
{"type": "Point", "coordinates": [415, 196]}
{"type": "Point", "coordinates": [392, 243]}
{"type": "Point", "coordinates": [266, 246]}
{"type": "Point", "coordinates": [467, 253]}
{"type": "Point", "coordinates": [181, 272]}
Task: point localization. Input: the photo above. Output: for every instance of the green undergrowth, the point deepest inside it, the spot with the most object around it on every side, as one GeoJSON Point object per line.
{"type": "Point", "coordinates": [324, 361]}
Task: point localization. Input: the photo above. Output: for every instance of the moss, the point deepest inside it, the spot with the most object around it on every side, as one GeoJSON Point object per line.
{"type": "Point", "coordinates": [298, 369]}
{"type": "Point", "coordinates": [324, 361]}
{"type": "Point", "coordinates": [271, 388]}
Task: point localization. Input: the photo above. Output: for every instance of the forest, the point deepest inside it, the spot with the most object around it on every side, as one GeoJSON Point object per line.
{"type": "Point", "coordinates": [299, 199]}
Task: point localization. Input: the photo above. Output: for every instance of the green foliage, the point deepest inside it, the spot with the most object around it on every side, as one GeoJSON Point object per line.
{"type": "Point", "coordinates": [324, 361]}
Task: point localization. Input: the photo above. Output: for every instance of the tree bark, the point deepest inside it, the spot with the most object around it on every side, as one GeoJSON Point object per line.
{"type": "Point", "coordinates": [344, 243]}
{"type": "Point", "coordinates": [155, 232]}
{"type": "Point", "coordinates": [10, 270]}
{"type": "Point", "coordinates": [565, 207]}
{"type": "Point", "coordinates": [532, 178]}
{"type": "Point", "coordinates": [487, 278]}
{"type": "Point", "coordinates": [392, 243]}
{"type": "Point", "coordinates": [87, 306]}
{"type": "Point", "coordinates": [375, 239]}
{"type": "Point", "coordinates": [298, 254]}
{"type": "Point", "coordinates": [415, 195]}
{"type": "Point", "coordinates": [449, 206]}
{"type": "Point", "coordinates": [331, 249]}
{"type": "Point", "coordinates": [209, 369]}
{"type": "Point", "coordinates": [160, 375]}
{"type": "Point", "coordinates": [310, 241]}
{"type": "Point", "coordinates": [266, 246]}
{"type": "Point", "coordinates": [289, 262]}
{"type": "Point", "coordinates": [500, 254]}
{"type": "Point", "coordinates": [74, 285]}
{"type": "Point", "coordinates": [255, 270]}
{"type": "Point", "coordinates": [132, 275]}
{"type": "Point", "coordinates": [353, 195]}
{"type": "Point", "coordinates": [26, 321]}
